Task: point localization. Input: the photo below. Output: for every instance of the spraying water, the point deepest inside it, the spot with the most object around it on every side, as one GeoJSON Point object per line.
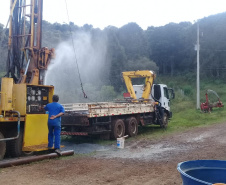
{"type": "Point", "coordinates": [90, 53]}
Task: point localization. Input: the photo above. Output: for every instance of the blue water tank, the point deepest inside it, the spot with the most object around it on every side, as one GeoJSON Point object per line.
{"type": "Point", "coordinates": [201, 172]}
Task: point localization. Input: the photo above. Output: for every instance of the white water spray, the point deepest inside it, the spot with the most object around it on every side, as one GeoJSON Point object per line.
{"type": "Point", "coordinates": [63, 72]}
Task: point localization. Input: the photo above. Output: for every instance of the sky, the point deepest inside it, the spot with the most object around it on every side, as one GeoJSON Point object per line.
{"type": "Point", "coordinates": [102, 13]}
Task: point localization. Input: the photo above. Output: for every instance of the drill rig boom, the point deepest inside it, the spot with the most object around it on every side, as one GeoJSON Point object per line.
{"type": "Point", "coordinates": [27, 60]}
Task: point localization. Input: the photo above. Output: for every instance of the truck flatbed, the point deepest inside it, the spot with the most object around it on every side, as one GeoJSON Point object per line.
{"type": "Point", "coordinates": [108, 108]}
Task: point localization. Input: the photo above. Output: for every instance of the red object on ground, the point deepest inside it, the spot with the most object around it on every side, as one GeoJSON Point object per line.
{"type": "Point", "coordinates": [207, 106]}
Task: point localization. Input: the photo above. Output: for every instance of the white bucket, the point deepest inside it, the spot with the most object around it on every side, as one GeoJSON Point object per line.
{"type": "Point", "coordinates": [120, 142]}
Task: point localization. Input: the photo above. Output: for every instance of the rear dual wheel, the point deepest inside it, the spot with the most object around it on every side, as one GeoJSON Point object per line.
{"type": "Point", "coordinates": [118, 129]}
{"type": "Point", "coordinates": [131, 126]}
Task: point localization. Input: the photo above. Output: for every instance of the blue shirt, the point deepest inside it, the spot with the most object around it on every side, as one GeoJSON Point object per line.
{"type": "Point", "coordinates": [54, 108]}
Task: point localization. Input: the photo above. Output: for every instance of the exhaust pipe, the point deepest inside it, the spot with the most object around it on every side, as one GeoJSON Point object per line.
{"type": "Point", "coordinates": [27, 160]}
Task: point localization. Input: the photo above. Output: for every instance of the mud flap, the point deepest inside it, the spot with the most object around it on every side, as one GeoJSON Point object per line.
{"type": "Point", "coordinates": [35, 132]}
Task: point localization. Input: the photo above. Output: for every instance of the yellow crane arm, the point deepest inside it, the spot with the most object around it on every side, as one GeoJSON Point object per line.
{"type": "Point", "coordinates": [149, 78]}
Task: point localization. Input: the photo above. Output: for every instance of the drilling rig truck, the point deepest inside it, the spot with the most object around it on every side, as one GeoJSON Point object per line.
{"type": "Point", "coordinates": [23, 125]}
{"type": "Point", "coordinates": [121, 117]}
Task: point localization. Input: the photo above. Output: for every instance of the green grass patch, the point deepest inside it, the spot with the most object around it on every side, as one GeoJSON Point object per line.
{"type": "Point", "coordinates": [2, 74]}
{"type": "Point", "coordinates": [193, 117]}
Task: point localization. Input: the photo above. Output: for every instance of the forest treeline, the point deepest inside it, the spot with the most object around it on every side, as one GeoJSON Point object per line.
{"type": "Point", "coordinates": [168, 50]}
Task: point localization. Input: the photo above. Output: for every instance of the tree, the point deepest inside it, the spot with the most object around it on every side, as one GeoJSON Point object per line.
{"type": "Point", "coordinates": [142, 63]}
{"type": "Point", "coordinates": [3, 47]}
{"type": "Point", "coordinates": [132, 38]}
{"type": "Point", "coordinates": [167, 46]}
{"type": "Point", "coordinates": [115, 59]}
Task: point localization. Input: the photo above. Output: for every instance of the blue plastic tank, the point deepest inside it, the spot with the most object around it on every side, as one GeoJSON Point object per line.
{"type": "Point", "coordinates": [201, 172]}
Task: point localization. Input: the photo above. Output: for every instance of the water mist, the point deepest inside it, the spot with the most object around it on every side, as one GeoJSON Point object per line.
{"type": "Point", "coordinates": [63, 72]}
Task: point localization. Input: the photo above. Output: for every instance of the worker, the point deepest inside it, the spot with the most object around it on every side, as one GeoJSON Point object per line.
{"type": "Point", "coordinates": [55, 110]}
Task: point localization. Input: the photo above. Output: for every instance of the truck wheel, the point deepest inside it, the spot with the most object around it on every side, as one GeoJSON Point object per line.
{"type": "Point", "coordinates": [164, 121]}
{"type": "Point", "coordinates": [2, 147]}
{"type": "Point", "coordinates": [15, 146]}
{"type": "Point", "coordinates": [118, 129]}
{"type": "Point", "coordinates": [131, 126]}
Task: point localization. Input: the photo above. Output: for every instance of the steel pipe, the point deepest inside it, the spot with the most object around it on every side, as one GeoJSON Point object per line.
{"type": "Point", "coordinates": [27, 160]}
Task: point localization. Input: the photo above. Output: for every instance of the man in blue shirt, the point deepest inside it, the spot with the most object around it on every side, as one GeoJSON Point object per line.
{"type": "Point", "coordinates": [55, 110]}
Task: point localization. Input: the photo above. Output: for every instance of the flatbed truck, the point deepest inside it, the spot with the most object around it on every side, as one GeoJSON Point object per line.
{"type": "Point", "coordinates": [121, 117]}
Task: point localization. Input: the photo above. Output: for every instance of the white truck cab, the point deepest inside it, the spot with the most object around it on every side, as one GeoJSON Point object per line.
{"type": "Point", "coordinates": [160, 92]}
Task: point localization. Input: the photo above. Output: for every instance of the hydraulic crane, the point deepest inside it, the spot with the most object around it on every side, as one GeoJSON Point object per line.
{"type": "Point", "coordinates": [149, 78]}
{"type": "Point", "coordinates": [23, 125]}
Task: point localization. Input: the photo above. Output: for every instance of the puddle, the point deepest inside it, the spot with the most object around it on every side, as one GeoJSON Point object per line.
{"type": "Point", "coordinates": [153, 151]}
{"type": "Point", "coordinates": [84, 148]}
{"type": "Point", "coordinates": [149, 152]}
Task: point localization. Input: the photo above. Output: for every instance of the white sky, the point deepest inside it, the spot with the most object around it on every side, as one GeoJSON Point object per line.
{"type": "Point", "coordinates": [102, 13]}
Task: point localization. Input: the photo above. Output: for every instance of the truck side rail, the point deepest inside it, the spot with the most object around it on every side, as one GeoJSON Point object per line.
{"type": "Point", "coordinates": [110, 108]}
{"type": "Point", "coordinates": [75, 106]}
{"type": "Point", "coordinates": [79, 106]}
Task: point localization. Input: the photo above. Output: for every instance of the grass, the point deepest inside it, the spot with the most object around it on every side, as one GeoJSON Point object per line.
{"type": "Point", "coordinates": [2, 74]}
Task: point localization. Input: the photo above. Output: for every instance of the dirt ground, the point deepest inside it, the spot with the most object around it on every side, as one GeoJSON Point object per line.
{"type": "Point", "coordinates": [140, 162]}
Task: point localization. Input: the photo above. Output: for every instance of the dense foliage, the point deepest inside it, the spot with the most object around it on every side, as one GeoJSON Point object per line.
{"type": "Point", "coordinates": [168, 50]}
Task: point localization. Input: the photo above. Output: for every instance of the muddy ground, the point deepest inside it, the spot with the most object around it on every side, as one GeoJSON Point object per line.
{"type": "Point", "coordinates": [142, 161]}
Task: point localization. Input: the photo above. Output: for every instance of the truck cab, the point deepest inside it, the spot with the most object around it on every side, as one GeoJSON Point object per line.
{"type": "Point", "coordinates": [160, 92]}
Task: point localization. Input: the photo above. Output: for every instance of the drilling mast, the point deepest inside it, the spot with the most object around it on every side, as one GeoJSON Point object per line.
{"type": "Point", "coordinates": [27, 60]}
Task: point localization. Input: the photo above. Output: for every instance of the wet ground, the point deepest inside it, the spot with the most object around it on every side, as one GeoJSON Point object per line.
{"type": "Point", "coordinates": [86, 148]}
{"type": "Point", "coordinates": [142, 161]}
